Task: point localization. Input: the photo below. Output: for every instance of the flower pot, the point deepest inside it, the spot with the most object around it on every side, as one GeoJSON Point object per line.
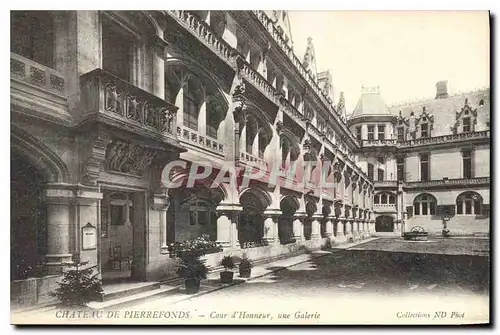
{"type": "Point", "coordinates": [245, 273]}
{"type": "Point", "coordinates": [226, 277]}
{"type": "Point", "coordinates": [192, 286]}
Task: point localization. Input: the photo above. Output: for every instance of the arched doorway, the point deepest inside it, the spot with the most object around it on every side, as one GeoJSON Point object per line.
{"type": "Point", "coordinates": [28, 218]}
{"type": "Point", "coordinates": [384, 223]}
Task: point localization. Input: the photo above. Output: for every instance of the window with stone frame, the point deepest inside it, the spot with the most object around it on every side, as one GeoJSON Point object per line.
{"type": "Point", "coordinates": [370, 172]}
{"type": "Point", "coordinates": [469, 203]}
{"type": "Point", "coordinates": [467, 164]}
{"type": "Point", "coordinates": [401, 133]}
{"type": "Point", "coordinates": [193, 94]}
{"type": "Point", "coordinates": [358, 133]}
{"type": "Point", "coordinates": [424, 130]}
{"type": "Point", "coordinates": [466, 126]}
{"type": "Point", "coordinates": [424, 204]}
{"type": "Point", "coordinates": [32, 35]}
{"type": "Point", "coordinates": [371, 132]}
{"type": "Point", "coordinates": [380, 174]}
{"type": "Point", "coordinates": [424, 167]}
{"type": "Point", "coordinates": [400, 166]}
{"type": "Point", "coordinates": [118, 51]}
{"type": "Point", "coordinates": [381, 132]}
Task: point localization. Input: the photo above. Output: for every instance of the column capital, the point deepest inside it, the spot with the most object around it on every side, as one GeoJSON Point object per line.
{"type": "Point", "coordinates": [159, 202]}
{"type": "Point", "coordinates": [224, 209]}
{"type": "Point", "coordinates": [272, 212]}
{"type": "Point", "coordinates": [59, 193]}
{"type": "Point", "coordinates": [299, 215]}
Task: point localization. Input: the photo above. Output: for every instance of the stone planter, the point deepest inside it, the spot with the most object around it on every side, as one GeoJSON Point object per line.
{"type": "Point", "coordinates": [192, 286]}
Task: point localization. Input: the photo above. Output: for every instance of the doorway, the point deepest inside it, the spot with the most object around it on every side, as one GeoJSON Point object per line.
{"type": "Point", "coordinates": [123, 239]}
{"type": "Point", "coordinates": [384, 223]}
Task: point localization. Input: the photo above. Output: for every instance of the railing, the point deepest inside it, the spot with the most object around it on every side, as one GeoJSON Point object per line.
{"type": "Point", "coordinates": [448, 182]}
{"type": "Point", "coordinates": [253, 244]}
{"type": "Point", "coordinates": [252, 160]}
{"type": "Point", "coordinates": [446, 138]}
{"type": "Point", "coordinates": [103, 93]}
{"type": "Point", "coordinates": [291, 109]}
{"type": "Point", "coordinates": [385, 183]}
{"type": "Point", "coordinates": [378, 143]}
{"type": "Point", "coordinates": [204, 32]}
{"type": "Point", "coordinates": [258, 81]}
{"type": "Point", "coordinates": [33, 73]}
{"type": "Point", "coordinates": [277, 35]}
{"type": "Point", "coordinates": [191, 136]}
{"type": "Point", "coordinates": [384, 207]}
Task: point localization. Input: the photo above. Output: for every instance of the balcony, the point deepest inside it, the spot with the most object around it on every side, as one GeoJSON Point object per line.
{"type": "Point", "coordinates": [258, 81]}
{"type": "Point", "coordinates": [111, 100]}
{"type": "Point", "coordinates": [478, 135]}
{"type": "Point", "coordinates": [448, 183]}
{"type": "Point", "coordinates": [378, 143]}
{"type": "Point", "coordinates": [192, 137]}
{"type": "Point", "coordinates": [204, 33]}
{"type": "Point", "coordinates": [386, 208]}
{"type": "Point", "coordinates": [253, 160]}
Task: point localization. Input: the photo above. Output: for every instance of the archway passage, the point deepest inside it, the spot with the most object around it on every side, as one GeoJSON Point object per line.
{"type": "Point", "coordinates": [384, 223]}
{"type": "Point", "coordinates": [288, 206]}
{"type": "Point", "coordinates": [28, 219]}
{"type": "Point", "coordinates": [251, 219]}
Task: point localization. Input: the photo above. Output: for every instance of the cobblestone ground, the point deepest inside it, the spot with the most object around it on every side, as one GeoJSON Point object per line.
{"type": "Point", "coordinates": [354, 280]}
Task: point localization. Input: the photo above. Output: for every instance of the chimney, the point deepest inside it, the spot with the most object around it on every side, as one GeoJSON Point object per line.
{"type": "Point", "coordinates": [442, 89]}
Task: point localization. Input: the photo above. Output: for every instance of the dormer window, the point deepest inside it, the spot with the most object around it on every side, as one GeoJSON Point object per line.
{"type": "Point", "coordinates": [424, 118]}
{"type": "Point", "coordinates": [466, 112]}
{"type": "Point", "coordinates": [481, 103]}
{"type": "Point", "coordinates": [466, 125]}
{"type": "Point", "coordinates": [424, 130]}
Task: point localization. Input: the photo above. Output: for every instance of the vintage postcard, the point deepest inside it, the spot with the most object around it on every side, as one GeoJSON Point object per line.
{"type": "Point", "coordinates": [250, 167]}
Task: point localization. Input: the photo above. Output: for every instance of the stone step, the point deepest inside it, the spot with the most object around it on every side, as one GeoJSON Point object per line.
{"type": "Point", "coordinates": [115, 291]}
{"type": "Point", "coordinates": [134, 299]}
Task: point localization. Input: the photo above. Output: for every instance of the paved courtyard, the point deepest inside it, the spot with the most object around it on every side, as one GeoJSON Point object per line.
{"type": "Point", "coordinates": [362, 282]}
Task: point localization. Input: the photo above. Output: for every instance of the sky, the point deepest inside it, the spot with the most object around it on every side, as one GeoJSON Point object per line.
{"type": "Point", "coordinates": [405, 53]}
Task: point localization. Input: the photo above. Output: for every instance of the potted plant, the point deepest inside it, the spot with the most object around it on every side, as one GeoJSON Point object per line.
{"type": "Point", "coordinates": [226, 276]}
{"type": "Point", "coordinates": [245, 267]}
{"type": "Point", "coordinates": [192, 269]}
{"type": "Point", "coordinates": [78, 286]}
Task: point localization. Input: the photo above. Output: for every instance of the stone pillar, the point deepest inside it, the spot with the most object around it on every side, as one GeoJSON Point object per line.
{"type": "Point", "coordinates": [271, 235]}
{"type": "Point", "coordinates": [58, 234]}
{"type": "Point", "coordinates": [341, 238]}
{"type": "Point", "coordinates": [227, 225]}
{"type": "Point", "coordinates": [329, 228]}
{"type": "Point", "coordinates": [298, 227]}
{"type": "Point", "coordinates": [160, 203]}
{"type": "Point", "coordinates": [316, 227]}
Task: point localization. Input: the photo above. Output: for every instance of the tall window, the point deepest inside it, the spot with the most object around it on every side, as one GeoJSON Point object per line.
{"type": "Point", "coordinates": [191, 105]}
{"type": "Point", "coordinates": [424, 167]}
{"type": "Point", "coordinates": [401, 134]}
{"type": "Point", "coordinates": [381, 132]}
{"type": "Point", "coordinates": [424, 130]}
{"type": "Point", "coordinates": [424, 204]}
{"type": "Point", "coordinates": [215, 114]}
{"type": "Point", "coordinates": [371, 132]}
{"type": "Point", "coordinates": [370, 171]}
{"type": "Point", "coordinates": [467, 163]}
{"type": "Point", "coordinates": [32, 36]}
{"type": "Point", "coordinates": [117, 51]}
{"type": "Point", "coordinates": [466, 124]}
{"type": "Point", "coordinates": [358, 133]}
{"type": "Point", "coordinates": [400, 165]}
{"type": "Point", "coordinates": [469, 203]}
{"type": "Point", "coordinates": [380, 174]}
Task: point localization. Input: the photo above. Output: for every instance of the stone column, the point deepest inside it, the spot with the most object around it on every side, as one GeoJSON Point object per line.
{"type": "Point", "coordinates": [316, 226]}
{"type": "Point", "coordinates": [160, 203]}
{"type": "Point", "coordinates": [329, 228]}
{"type": "Point", "coordinates": [341, 238]}
{"type": "Point", "coordinates": [58, 234]}
{"type": "Point", "coordinates": [298, 227]}
{"type": "Point", "coordinates": [271, 226]}
{"type": "Point", "coordinates": [227, 225]}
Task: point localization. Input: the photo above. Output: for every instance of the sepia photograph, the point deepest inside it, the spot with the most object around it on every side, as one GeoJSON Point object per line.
{"type": "Point", "coordinates": [250, 167]}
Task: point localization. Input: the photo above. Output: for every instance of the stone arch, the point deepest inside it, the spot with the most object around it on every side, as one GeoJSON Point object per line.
{"type": "Point", "coordinates": [290, 145]}
{"type": "Point", "coordinates": [289, 204]}
{"type": "Point", "coordinates": [424, 204]}
{"type": "Point", "coordinates": [50, 165]}
{"type": "Point", "coordinates": [469, 203]}
{"type": "Point", "coordinates": [384, 197]}
{"type": "Point", "coordinates": [263, 197]}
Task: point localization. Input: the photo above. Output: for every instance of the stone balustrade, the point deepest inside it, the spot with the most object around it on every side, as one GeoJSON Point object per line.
{"type": "Point", "coordinates": [33, 73]}
{"type": "Point", "coordinates": [191, 136]}
{"type": "Point", "coordinates": [253, 160]}
{"type": "Point", "coordinates": [117, 101]}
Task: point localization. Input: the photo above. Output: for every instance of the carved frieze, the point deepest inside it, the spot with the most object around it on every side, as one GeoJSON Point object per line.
{"type": "Point", "coordinates": [128, 158]}
{"type": "Point", "coordinates": [94, 154]}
